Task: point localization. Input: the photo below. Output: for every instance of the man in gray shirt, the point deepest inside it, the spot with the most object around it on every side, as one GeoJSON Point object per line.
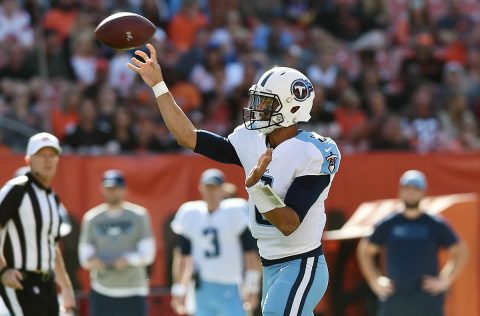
{"type": "Point", "coordinates": [116, 245]}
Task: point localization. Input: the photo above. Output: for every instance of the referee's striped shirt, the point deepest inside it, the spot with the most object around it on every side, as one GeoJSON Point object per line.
{"type": "Point", "coordinates": [30, 219]}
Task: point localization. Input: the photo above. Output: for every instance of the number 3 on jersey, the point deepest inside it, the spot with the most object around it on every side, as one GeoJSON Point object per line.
{"type": "Point", "coordinates": [258, 216]}
{"type": "Point", "coordinates": [214, 246]}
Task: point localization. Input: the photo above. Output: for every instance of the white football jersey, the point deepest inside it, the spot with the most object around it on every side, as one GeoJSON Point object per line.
{"type": "Point", "coordinates": [306, 154]}
{"type": "Point", "coordinates": [215, 238]}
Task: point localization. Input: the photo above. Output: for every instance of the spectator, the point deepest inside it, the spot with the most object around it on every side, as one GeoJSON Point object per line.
{"type": "Point", "coordinates": [15, 26]}
{"type": "Point", "coordinates": [412, 283]}
{"type": "Point", "coordinates": [423, 127]}
{"type": "Point", "coordinates": [65, 116]}
{"type": "Point", "coordinates": [116, 245]}
{"type": "Point", "coordinates": [185, 24]}
{"type": "Point", "coordinates": [123, 131]}
{"type": "Point", "coordinates": [460, 129]}
{"type": "Point", "coordinates": [61, 17]}
{"type": "Point", "coordinates": [87, 137]}
{"type": "Point", "coordinates": [352, 122]}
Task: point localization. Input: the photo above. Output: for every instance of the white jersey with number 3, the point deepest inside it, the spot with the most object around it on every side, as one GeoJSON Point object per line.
{"type": "Point", "coordinates": [306, 154]}
{"type": "Point", "coordinates": [214, 238]}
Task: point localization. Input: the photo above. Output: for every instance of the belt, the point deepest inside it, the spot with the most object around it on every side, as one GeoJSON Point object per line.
{"type": "Point", "coordinates": [38, 276]}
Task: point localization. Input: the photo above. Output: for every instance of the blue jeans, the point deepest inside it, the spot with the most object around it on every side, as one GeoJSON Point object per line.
{"type": "Point", "coordinates": [102, 305]}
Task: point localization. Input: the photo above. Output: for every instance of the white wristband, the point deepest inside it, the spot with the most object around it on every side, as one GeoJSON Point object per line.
{"type": "Point", "coordinates": [159, 89]}
{"type": "Point", "coordinates": [264, 197]}
{"type": "Point", "coordinates": [252, 281]}
{"type": "Point", "coordinates": [178, 290]}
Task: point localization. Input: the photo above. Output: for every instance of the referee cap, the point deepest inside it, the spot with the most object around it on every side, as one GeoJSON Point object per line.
{"type": "Point", "coordinates": [113, 178]}
{"type": "Point", "coordinates": [213, 177]}
{"type": "Point", "coordinates": [41, 140]}
{"type": "Point", "coordinates": [414, 178]}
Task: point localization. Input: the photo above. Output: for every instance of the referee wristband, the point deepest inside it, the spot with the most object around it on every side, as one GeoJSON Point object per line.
{"type": "Point", "coordinates": [160, 89]}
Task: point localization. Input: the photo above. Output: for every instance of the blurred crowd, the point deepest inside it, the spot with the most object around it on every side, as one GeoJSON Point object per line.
{"type": "Point", "coordinates": [388, 74]}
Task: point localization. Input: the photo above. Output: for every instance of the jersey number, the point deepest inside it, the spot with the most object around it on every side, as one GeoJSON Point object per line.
{"type": "Point", "coordinates": [258, 216]}
{"type": "Point", "coordinates": [212, 234]}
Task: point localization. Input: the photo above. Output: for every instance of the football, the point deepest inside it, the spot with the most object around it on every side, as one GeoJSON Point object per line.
{"type": "Point", "coordinates": [125, 30]}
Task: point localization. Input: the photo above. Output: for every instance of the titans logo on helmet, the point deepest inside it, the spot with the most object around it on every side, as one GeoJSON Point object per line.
{"type": "Point", "coordinates": [301, 89]}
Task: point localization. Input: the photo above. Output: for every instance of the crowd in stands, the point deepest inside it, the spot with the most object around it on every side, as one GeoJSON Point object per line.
{"type": "Point", "coordinates": [388, 74]}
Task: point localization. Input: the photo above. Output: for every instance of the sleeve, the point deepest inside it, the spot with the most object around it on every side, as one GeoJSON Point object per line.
{"type": "Point", "coordinates": [446, 235]}
{"type": "Point", "coordinates": [216, 147]}
{"type": "Point", "coordinates": [179, 224]}
{"type": "Point", "coordinates": [321, 158]}
{"type": "Point", "coordinates": [380, 234]}
{"type": "Point", "coordinates": [304, 192]}
{"type": "Point", "coordinates": [11, 196]}
{"type": "Point", "coordinates": [86, 246]}
{"type": "Point", "coordinates": [185, 245]}
{"type": "Point", "coordinates": [248, 242]}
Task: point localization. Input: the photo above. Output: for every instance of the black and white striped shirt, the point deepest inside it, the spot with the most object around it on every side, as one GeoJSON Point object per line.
{"type": "Point", "coordinates": [30, 219]}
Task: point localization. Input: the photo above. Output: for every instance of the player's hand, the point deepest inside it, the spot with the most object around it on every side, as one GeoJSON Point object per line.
{"type": "Point", "coordinates": [383, 287]}
{"type": "Point", "coordinates": [69, 304]}
{"type": "Point", "coordinates": [149, 70]}
{"type": "Point", "coordinates": [250, 302]}
{"type": "Point", "coordinates": [96, 264]}
{"type": "Point", "coordinates": [435, 285]}
{"type": "Point", "coordinates": [12, 278]}
{"type": "Point", "coordinates": [259, 169]}
{"type": "Point", "coordinates": [120, 263]}
{"type": "Point", "coordinates": [178, 305]}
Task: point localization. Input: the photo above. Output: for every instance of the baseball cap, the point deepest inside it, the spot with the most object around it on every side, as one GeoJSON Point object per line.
{"type": "Point", "coordinates": [113, 178]}
{"type": "Point", "coordinates": [212, 176]}
{"type": "Point", "coordinates": [41, 140]}
{"type": "Point", "coordinates": [414, 178]}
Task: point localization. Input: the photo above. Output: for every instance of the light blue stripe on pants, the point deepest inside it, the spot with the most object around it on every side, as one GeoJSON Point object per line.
{"type": "Point", "coordinates": [295, 287]}
{"type": "Point", "coordinates": [217, 299]}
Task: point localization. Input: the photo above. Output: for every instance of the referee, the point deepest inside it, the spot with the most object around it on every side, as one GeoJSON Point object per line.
{"type": "Point", "coordinates": [30, 219]}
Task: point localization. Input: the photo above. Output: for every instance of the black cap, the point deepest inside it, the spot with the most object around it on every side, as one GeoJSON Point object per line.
{"type": "Point", "coordinates": [113, 178]}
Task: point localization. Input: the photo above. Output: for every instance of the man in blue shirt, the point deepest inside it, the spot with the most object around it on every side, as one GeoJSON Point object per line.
{"type": "Point", "coordinates": [412, 284]}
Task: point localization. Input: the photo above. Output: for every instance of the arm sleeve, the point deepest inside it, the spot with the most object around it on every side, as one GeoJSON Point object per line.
{"type": "Point", "coordinates": [10, 199]}
{"type": "Point", "coordinates": [248, 242]}
{"type": "Point", "coordinates": [216, 147]}
{"type": "Point", "coordinates": [185, 245]}
{"type": "Point", "coordinates": [304, 192]}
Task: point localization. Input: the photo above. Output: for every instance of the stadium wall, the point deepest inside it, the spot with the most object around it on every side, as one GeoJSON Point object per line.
{"type": "Point", "coordinates": [162, 183]}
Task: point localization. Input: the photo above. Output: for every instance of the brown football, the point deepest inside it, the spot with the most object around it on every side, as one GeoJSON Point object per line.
{"type": "Point", "coordinates": [125, 30]}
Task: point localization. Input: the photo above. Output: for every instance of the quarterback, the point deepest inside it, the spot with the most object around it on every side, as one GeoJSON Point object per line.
{"type": "Point", "coordinates": [288, 176]}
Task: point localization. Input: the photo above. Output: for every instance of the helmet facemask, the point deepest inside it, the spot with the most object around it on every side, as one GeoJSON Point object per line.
{"type": "Point", "coordinates": [262, 113]}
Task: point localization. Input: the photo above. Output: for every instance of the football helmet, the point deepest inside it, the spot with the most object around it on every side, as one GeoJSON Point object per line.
{"type": "Point", "coordinates": [282, 97]}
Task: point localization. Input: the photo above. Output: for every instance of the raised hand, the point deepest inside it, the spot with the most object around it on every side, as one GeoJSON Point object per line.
{"type": "Point", "coordinates": [259, 169]}
{"type": "Point", "coordinates": [149, 70]}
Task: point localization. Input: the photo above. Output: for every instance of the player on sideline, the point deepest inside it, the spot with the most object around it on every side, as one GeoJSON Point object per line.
{"type": "Point", "coordinates": [214, 240]}
{"type": "Point", "coordinates": [288, 175]}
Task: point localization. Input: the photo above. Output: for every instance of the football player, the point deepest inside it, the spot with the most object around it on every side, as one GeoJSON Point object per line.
{"type": "Point", "coordinates": [214, 241]}
{"type": "Point", "coordinates": [288, 176]}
